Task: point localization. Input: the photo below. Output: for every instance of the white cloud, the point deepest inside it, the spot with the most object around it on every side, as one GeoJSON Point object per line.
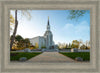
{"type": "Point", "coordinates": [77, 31]}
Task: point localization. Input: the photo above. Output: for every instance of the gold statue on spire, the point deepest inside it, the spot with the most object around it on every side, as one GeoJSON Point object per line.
{"type": "Point", "coordinates": [48, 17]}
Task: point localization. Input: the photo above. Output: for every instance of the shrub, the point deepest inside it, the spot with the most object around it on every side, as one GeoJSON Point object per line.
{"type": "Point", "coordinates": [68, 48]}
{"type": "Point", "coordinates": [43, 47]}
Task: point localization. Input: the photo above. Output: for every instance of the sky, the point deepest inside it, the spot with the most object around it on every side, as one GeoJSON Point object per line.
{"type": "Point", "coordinates": [64, 30]}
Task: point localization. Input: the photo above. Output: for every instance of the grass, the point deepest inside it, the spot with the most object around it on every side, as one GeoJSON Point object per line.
{"type": "Point", "coordinates": [73, 55]}
{"type": "Point", "coordinates": [15, 56]}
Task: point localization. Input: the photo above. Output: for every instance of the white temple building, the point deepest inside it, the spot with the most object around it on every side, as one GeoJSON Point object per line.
{"type": "Point", "coordinates": [45, 40]}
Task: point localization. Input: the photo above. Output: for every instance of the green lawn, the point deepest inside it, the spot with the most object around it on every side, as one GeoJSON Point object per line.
{"type": "Point", "coordinates": [14, 56]}
{"type": "Point", "coordinates": [73, 55]}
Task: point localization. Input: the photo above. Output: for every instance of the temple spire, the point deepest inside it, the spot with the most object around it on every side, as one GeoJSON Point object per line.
{"type": "Point", "coordinates": [48, 20]}
{"type": "Point", "coordinates": [48, 25]}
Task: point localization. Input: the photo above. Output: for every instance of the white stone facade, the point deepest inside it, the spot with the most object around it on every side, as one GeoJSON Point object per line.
{"type": "Point", "coordinates": [46, 40]}
{"type": "Point", "coordinates": [38, 40]}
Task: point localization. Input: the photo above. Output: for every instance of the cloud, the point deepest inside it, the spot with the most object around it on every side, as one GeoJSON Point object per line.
{"type": "Point", "coordinates": [77, 31]}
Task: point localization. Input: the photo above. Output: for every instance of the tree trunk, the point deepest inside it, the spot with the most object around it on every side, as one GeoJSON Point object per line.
{"type": "Point", "coordinates": [15, 30]}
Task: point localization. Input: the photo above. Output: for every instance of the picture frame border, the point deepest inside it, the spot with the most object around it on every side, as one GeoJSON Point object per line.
{"type": "Point", "coordinates": [92, 5]}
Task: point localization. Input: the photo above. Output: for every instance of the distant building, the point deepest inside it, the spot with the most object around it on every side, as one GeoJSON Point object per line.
{"type": "Point", "coordinates": [44, 41]}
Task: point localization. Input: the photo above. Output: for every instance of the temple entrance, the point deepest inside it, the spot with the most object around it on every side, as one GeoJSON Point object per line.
{"type": "Point", "coordinates": [51, 47]}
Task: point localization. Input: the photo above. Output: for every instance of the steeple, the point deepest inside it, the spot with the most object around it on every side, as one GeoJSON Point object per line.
{"type": "Point", "coordinates": [48, 25]}
{"type": "Point", "coordinates": [48, 20]}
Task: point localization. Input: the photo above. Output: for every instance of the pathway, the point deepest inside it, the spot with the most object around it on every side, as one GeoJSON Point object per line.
{"type": "Point", "coordinates": [50, 57]}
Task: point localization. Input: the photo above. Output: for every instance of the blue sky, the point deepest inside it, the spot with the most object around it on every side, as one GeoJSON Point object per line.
{"type": "Point", "coordinates": [64, 30]}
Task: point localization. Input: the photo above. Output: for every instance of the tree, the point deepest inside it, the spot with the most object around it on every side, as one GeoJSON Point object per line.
{"type": "Point", "coordinates": [83, 47]}
{"type": "Point", "coordinates": [59, 44]}
{"type": "Point", "coordinates": [20, 42]}
{"type": "Point", "coordinates": [80, 42]}
{"type": "Point", "coordinates": [27, 43]}
{"type": "Point", "coordinates": [18, 38]}
{"type": "Point", "coordinates": [87, 43]}
{"type": "Point", "coordinates": [62, 45]}
{"type": "Point", "coordinates": [69, 46]}
{"type": "Point", "coordinates": [12, 21]}
{"type": "Point", "coordinates": [16, 25]}
{"type": "Point", "coordinates": [15, 29]}
{"type": "Point", "coordinates": [75, 44]}
{"type": "Point", "coordinates": [76, 14]}
{"type": "Point", "coordinates": [17, 41]}
{"type": "Point", "coordinates": [11, 37]}
{"type": "Point", "coordinates": [66, 45]}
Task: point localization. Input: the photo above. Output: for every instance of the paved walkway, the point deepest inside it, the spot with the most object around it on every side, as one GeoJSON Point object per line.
{"type": "Point", "coordinates": [50, 57]}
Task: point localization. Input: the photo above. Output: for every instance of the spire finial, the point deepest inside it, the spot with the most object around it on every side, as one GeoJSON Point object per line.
{"type": "Point", "coordinates": [48, 17]}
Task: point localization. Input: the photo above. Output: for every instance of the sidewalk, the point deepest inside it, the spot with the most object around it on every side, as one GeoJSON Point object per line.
{"type": "Point", "coordinates": [50, 57]}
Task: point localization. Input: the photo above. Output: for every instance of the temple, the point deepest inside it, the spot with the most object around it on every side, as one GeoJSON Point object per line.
{"type": "Point", "coordinates": [44, 41]}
